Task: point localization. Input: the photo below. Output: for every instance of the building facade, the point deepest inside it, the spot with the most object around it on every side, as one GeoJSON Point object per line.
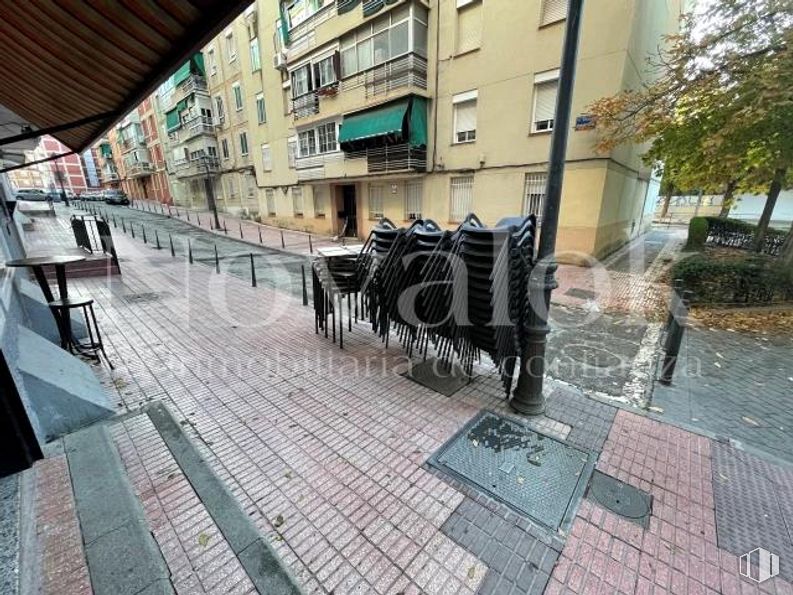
{"type": "Point", "coordinates": [66, 172]}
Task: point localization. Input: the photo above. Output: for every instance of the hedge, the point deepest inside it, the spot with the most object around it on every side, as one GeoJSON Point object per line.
{"type": "Point", "coordinates": [733, 233]}
{"type": "Point", "coordinates": [747, 280]}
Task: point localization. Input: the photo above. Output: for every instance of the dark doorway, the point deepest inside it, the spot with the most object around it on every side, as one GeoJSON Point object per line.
{"type": "Point", "coordinates": [349, 212]}
{"type": "Point", "coordinates": [18, 445]}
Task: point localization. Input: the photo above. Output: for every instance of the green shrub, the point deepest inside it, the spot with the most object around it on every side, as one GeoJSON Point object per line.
{"type": "Point", "coordinates": [747, 279]}
{"type": "Point", "coordinates": [697, 234]}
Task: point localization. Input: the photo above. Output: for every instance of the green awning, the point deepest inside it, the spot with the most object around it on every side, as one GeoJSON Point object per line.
{"type": "Point", "coordinates": [418, 122]}
{"type": "Point", "coordinates": [172, 121]}
{"type": "Point", "coordinates": [382, 121]}
{"type": "Point", "coordinates": [182, 74]}
{"type": "Point", "coordinates": [105, 150]}
{"type": "Point", "coordinates": [198, 62]}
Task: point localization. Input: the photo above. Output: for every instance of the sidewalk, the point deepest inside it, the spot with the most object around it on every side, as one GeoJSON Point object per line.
{"type": "Point", "coordinates": [327, 451]}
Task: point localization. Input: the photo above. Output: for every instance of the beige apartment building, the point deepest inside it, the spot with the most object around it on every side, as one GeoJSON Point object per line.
{"type": "Point", "coordinates": [326, 115]}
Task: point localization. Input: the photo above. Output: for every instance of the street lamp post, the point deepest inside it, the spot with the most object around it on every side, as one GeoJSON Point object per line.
{"type": "Point", "coordinates": [528, 397]}
{"type": "Point", "coordinates": [210, 190]}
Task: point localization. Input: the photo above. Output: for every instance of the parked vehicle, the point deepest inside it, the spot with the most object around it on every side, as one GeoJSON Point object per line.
{"type": "Point", "coordinates": [116, 197]}
{"type": "Point", "coordinates": [31, 194]}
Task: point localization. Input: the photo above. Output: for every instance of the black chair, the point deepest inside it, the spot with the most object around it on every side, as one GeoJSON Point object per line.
{"type": "Point", "coordinates": [90, 347]}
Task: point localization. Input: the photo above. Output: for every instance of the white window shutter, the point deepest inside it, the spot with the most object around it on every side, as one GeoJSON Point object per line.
{"type": "Point", "coordinates": [553, 10]}
{"type": "Point", "coordinates": [545, 101]}
{"type": "Point", "coordinates": [469, 27]}
{"type": "Point", "coordinates": [466, 116]}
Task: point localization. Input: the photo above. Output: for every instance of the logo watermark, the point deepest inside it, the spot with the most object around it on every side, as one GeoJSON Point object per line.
{"type": "Point", "coordinates": [759, 565]}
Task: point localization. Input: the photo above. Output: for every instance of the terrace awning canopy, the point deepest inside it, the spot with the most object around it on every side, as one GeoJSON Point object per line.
{"type": "Point", "coordinates": [75, 68]}
{"type": "Point", "coordinates": [402, 121]}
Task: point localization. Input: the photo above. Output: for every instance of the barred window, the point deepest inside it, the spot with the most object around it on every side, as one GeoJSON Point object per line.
{"type": "Point", "coordinates": [376, 193]}
{"type": "Point", "coordinates": [461, 197]}
{"type": "Point", "coordinates": [534, 194]}
{"type": "Point", "coordinates": [413, 200]}
{"type": "Point", "coordinates": [269, 194]}
{"type": "Point", "coordinates": [297, 201]}
{"type": "Point", "coordinates": [319, 202]}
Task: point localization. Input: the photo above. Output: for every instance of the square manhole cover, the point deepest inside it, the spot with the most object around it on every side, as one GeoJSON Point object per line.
{"type": "Point", "coordinates": [536, 475]}
{"type": "Point", "coordinates": [437, 377]}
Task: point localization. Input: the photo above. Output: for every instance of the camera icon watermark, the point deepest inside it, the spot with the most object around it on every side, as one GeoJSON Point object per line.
{"type": "Point", "coordinates": [759, 565]}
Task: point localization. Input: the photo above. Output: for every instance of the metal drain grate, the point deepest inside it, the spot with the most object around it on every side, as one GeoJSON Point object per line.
{"type": "Point", "coordinates": [137, 298]}
{"type": "Point", "coordinates": [536, 475]}
{"type": "Point", "coordinates": [621, 498]}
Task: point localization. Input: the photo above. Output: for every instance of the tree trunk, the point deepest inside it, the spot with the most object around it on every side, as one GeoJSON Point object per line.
{"type": "Point", "coordinates": [726, 201]}
{"type": "Point", "coordinates": [665, 207]}
{"type": "Point", "coordinates": [768, 209]}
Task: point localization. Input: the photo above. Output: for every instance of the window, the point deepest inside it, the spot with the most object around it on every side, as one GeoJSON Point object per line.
{"type": "Point", "coordinates": [243, 143]}
{"type": "Point", "coordinates": [224, 148]}
{"type": "Point", "coordinates": [461, 197]}
{"type": "Point", "coordinates": [291, 151]}
{"type": "Point", "coordinates": [326, 73]}
{"type": "Point", "coordinates": [269, 194]}
{"type": "Point", "coordinates": [213, 65]}
{"type": "Point", "coordinates": [267, 158]}
{"type": "Point", "coordinates": [376, 193]}
{"type": "Point", "coordinates": [553, 11]}
{"type": "Point", "coordinates": [420, 30]}
{"type": "Point", "coordinates": [250, 186]}
{"type": "Point", "coordinates": [237, 90]}
{"type": "Point", "coordinates": [534, 194]}
{"type": "Point", "coordinates": [219, 110]}
{"type": "Point", "coordinates": [212, 151]}
{"type": "Point", "coordinates": [301, 81]}
{"type": "Point", "coordinates": [469, 27]}
{"type": "Point", "coordinates": [327, 137]}
{"type": "Point", "coordinates": [319, 202]}
{"type": "Point", "coordinates": [261, 114]}
{"type": "Point", "coordinates": [464, 117]}
{"type": "Point", "coordinates": [231, 47]}
{"type": "Point", "coordinates": [413, 200]}
{"type": "Point", "coordinates": [297, 201]}
{"type": "Point", "coordinates": [545, 87]}
{"type": "Point", "coordinates": [256, 60]}
{"type": "Point", "coordinates": [307, 142]}
{"type": "Point", "coordinates": [384, 39]}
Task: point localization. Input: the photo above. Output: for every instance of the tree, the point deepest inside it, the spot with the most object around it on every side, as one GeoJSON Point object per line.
{"type": "Point", "coordinates": [719, 113]}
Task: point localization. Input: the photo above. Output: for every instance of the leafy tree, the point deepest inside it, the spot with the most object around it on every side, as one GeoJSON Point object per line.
{"type": "Point", "coordinates": [719, 112]}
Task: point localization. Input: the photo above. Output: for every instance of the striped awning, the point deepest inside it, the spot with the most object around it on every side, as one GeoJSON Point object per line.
{"type": "Point", "coordinates": [92, 62]}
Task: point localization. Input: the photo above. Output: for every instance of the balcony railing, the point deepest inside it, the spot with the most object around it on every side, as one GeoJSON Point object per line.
{"type": "Point", "coordinates": [186, 168]}
{"type": "Point", "coordinates": [305, 105]}
{"type": "Point", "coordinates": [139, 169]}
{"type": "Point", "coordinates": [193, 84]}
{"type": "Point", "coordinates": [393, 158]}
{"type": "Point", "coordinates": [407, 71]}
{"type": "Point", "coordinates": [197, 125]}
{"type": "Point", "coordinates": [109, 176]}
{"type": "Point", "coordinates": [313, 167]}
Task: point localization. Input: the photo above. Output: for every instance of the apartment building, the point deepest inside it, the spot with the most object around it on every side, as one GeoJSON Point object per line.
{"type": "Point", "coordinates": [106, 164]}
{"type": "Point", "coordinates": [332, 114]}
{"type": "Point", "coordinates": [67, 172]}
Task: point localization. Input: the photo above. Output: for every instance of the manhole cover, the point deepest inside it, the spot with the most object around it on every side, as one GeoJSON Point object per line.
{"type": "Point", "coordinates": [621, 498]}
{"type": "Point", "coordinates": [584, 294]}
{"type": "Point", "coordinates": [535, 474]}
{"type": "Point", "coordinates": [435, 376]}
{"type": "Point", "coordinates": [136, 298]}
{"type": "Point", "coordinates": [591, 355]}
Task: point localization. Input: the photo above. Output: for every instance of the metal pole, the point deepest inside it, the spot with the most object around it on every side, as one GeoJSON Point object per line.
{"type": "Point", "coordinates": [241, 230]}
{"type": "Point", "coordinates": [253, 272]}
{"type": "Point", "coordinates": [132, 229]}
{"type": "Point", "coordinates": [144, 234]}
{"type": "Point", "coordinates": [189, 252]}
{"type": "Point", "coordinates": [217, 260]}
{"type": "Point", "coordinates": [305, 289]}
{"type": "Point", "coordinates": [528, 397]}
{"type": "Point", "coordinates": [157, 239]}
{"type": "Point", "coordinates": [198, 218]}
{"type": "Point", "coordinates": [170, 241]}
{"type": "Point", "coordinates": [210, 190]}
{"type": "Point", "coordinates": [260, 234]}
{"type": "Point", "coordinates": [123, 225]}
{"type": "Point", "coordinates": [310, 245]}
{"type": "Point", "coordinates": [225, 229]}
{"type": "Point", "coordinates": [282, 239]}
{"type": "Point", "coordinates": [674, 338]}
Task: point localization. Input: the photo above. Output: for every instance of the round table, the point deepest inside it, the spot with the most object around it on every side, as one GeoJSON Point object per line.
{"type": "Point", "coordinates": [59, 262]}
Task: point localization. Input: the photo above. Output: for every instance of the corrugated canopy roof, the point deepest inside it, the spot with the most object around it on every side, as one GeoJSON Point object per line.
{"type": "Point", "coordinates": [63, 62]}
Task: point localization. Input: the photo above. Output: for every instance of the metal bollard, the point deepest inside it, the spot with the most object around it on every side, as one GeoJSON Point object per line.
{"type": "Point", "coordinates": [157, 239]}
{"type": "Point", "coordinates": [123, 225]}
{"type": "Point", "coordinates": [305, 289]}
{"type": "Point", "coordinates": [144, 234]}
{"type": "Point", "coordinates": [114, 222]}
{"type": "Point", "coordinates": [188, 215]}
{"type": "Point", "coordinates": [132, 229]}
{"type": "Point", "coordinates": [177, 212]}
{"type": "Point", "coordinates": [310, 245]}
{"type": "Point", "coordinates": [198, 218]}
{"type": "Point", "coordinates": [282, 239]}
{"type": "Point", "coordinates": [189, 252]}
{"type": "Point", "coordinates": [170, 241]}
{"type": "Point", "coordinates": [225, 229]}
{"type": "Point", "coordinates": [677, 290]}
{"type": "Point", "coordinates": [217, 260]}
{"type": "Point", "coordinates": [260, 234]}
{"type": "Point", "coordinates": [253, 272]}
{"type": "Point", "coordinates": [241, 231]}
{"type": "Point", "coordinates": [674, 338]}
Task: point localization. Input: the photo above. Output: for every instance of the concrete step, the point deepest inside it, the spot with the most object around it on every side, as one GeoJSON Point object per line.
{"type": "Point", "coordinates": [130, 506]}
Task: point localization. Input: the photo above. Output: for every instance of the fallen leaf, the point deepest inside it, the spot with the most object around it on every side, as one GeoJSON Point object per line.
{"type": "Point", "coordinates": [472, 572]}
{"type": "Point", "coordinates": [203, 539]}
{"type": "Point", "coordinates": [279, 520]}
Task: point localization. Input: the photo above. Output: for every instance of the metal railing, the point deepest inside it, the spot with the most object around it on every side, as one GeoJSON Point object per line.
{"type": "Point", "coordinates": [92, 233]}
{"type": "Point", "coordinates": [305, 105]}
{"type": "Point", "coordinates": [184, 168]}
{"type": "Point", "coordinates": [392, 158]}
{"type": "Point", "coordinates": [407, 71]}
{"type": "Point", "coordinates": [197, 125]}
{"type": "Point", "coordinates": [141, 168]}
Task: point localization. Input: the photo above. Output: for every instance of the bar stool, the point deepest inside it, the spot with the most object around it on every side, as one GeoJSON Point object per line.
{"type": "Point", "coordinates": [90, 347]}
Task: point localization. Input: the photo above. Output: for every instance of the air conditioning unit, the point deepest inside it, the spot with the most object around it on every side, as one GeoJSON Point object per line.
{"type": "Point", "coordinates": [279, 61]}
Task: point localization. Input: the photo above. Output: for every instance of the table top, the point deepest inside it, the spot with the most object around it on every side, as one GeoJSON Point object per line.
{"type": "Point", "coordinates": [36, 261]}
{"type": "Point", "coordinates": [334, 251]}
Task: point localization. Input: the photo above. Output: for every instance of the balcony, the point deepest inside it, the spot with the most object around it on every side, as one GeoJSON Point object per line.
{"type": "Point", "coordinates": [305, 105]}
{"type": "Point", "coordinates": [393, 158]}
{"type": "Point", "coordinates": [109, 176]}
{"type": "Point", "coordinates": [193, 84]}
{"type": "Point", "coordinates": [195, 126]}
{"type": "Point", "coordinates": [139, 169]}
{"type": "Point", "coordinates": [313, 167]}
{"type": "Point", "coordinates": [406, 71]}
{"type": "Point", "coordinates": [202, 166]}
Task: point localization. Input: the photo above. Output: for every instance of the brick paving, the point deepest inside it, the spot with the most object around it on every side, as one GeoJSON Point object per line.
{"type": "Point", "coordinates": [199, 558]}
{"type": "Point", "coordinates": [9, 534]}
{"type": "Point", "coordinates": [62, 565]}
